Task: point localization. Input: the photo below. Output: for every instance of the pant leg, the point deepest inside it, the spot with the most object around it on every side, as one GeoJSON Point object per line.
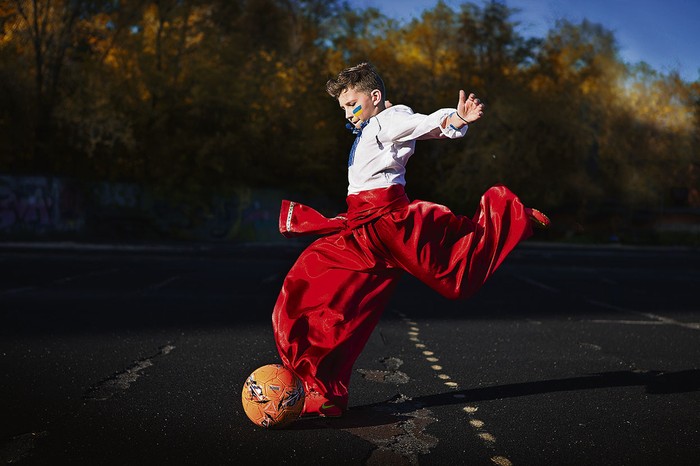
{"type": "Point", "coordinates": [330, 302]}
{"type": "Point", "coordinates": [453, 254]}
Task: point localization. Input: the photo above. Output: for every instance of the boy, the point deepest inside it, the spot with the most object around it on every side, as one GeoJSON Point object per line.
{"type": "Point", "coordinates": [333, 296]}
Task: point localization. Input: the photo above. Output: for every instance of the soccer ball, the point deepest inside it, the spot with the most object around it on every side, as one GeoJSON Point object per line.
{"type": "Point", "coordinates": [273, 396]}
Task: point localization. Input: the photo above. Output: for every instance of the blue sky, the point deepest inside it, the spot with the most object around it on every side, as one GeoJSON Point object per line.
{"type": "Point", "coordinates": [665, 34]}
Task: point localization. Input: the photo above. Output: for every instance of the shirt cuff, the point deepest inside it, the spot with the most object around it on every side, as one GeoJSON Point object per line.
{"type": "Point", "coordinates": [450, 131]}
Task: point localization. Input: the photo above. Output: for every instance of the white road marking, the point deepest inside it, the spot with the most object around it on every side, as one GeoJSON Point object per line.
{"type": "Point", "coordinates": [97, 273]}
{"type": "Point", "coordinates": [271, 279]}
{"type": "Point", "coordinates": [656, 319]}
{"type": "Point", "coordinates": [164, 283]}
{"type": "Point", "coordinates": [59, 281]}
{"type": "Point", "coordinates": [17, 290]}
{"type": "Point", "coordinates": [537, 284]}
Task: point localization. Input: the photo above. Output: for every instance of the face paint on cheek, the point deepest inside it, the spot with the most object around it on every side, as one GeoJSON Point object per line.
{"type": "Point", "coordinates": [357, 111]}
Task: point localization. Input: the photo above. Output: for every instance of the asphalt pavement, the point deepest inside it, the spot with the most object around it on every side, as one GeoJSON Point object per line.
{"type": "Point", "coordinates": [136, 354]}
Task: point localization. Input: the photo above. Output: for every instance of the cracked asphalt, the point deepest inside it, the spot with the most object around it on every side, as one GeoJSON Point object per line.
{"type": "Point", "coordinates": [137, 355]}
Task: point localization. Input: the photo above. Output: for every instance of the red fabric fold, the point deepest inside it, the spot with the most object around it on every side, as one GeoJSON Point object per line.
{"type": "Point", "coordinates": [299, 220]}
{"type": "Point", "coordinates": [335, 293]}
{"type": "Point", "coordinates": [370, 205]}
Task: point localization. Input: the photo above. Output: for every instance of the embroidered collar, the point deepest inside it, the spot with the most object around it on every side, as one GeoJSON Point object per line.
{"type": "Point", "coordinates": [357, 131]}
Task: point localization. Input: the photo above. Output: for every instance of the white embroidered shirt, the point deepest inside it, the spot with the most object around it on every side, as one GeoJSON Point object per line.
{"type": "Point", "coordinates": [381, 151]}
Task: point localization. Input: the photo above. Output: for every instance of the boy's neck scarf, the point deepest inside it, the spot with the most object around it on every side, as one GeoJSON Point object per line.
{"type": "Point", "coordinates": [357, 132]}
{"type": "Point", "coordinates": [354, 129]}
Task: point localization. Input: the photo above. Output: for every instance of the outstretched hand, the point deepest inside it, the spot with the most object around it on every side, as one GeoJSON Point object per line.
{"type": "Point", "coordinates": [469, 108]}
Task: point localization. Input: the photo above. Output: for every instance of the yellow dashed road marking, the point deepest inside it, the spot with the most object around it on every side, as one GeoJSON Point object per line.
{"type": "Point", "coordinates": [477, 424]}
{"type": "Point", "coordinates": [501, 461]}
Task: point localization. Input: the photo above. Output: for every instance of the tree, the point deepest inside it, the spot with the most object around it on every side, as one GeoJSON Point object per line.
{"type": "Point", "coordinates": [46, 31]}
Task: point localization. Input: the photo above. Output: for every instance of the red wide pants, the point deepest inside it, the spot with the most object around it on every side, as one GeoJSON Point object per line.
{"type": "Point", "coordinates": [334, 295]}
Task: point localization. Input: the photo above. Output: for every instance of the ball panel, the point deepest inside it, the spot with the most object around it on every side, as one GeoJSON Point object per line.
{"type": "Point", "coordinates": [272, 396]}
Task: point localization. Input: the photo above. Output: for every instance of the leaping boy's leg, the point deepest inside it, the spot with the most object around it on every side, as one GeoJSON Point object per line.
{"type": "Point", "coordinates": [453, 254]}
{"type": "Point", "coordinates": [330, 303]}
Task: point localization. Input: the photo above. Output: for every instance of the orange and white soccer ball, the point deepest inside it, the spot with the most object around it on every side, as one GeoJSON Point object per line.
{"type": "Point", "coordinates": [273, 396]}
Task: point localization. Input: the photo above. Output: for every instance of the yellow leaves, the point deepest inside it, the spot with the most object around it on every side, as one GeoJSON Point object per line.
{"type": "Point", "coordinates": [659, 104]}
{"type": "Point", "coordinates": [151, 25]}
{"type": "Point", "coordinates": [112, 59]}
{"type": "Point", "coordinates": [414, 54]}
{"type": "Point", "coordinates": [284, 87]}
{"type": "Point", "coordinates": [15, 29]}
{"type": "Point", "coordinates": [429, 43]}
{"type": "Point", "coordinates": [439, 61]}
{"type": "Point", "coordinates": [540, 83]}
{"type": "Point", "coordinates": [169, 24]}
{"type": "Point", "coordinates": [334, 62]}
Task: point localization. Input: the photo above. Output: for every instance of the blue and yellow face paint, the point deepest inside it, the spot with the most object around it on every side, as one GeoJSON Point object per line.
{"type": "Point", "coordinates": [357, 111]}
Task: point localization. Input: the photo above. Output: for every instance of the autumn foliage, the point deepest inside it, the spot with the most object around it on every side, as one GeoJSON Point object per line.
{"type": "Point", "coordinates": [199, 97]}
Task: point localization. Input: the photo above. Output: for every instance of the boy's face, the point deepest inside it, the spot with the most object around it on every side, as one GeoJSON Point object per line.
{"type": "Point", "coordinates": [360, 106]}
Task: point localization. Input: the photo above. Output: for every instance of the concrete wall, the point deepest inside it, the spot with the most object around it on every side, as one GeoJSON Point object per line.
{"type": "Point", "coordinates": [44, 207]}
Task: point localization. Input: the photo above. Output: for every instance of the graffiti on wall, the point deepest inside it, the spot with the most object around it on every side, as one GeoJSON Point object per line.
{"type": "Point", "coordinates": [39, 204]}
{"type": "Point", "coordinates": [249, 215]}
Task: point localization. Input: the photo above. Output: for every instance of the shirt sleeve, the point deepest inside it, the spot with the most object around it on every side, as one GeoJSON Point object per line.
{"type": "Point", "coordinates": [403, 125]}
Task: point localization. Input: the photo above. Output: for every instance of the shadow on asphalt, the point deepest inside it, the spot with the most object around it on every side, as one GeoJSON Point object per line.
{"type": "Point", "coordinates": [393, 411]}
{"type": "Point", "coordinates": [362, 416]}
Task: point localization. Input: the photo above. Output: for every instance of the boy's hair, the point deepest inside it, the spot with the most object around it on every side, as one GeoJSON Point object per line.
{"type": "Point", "coordinates": [362, 77]}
